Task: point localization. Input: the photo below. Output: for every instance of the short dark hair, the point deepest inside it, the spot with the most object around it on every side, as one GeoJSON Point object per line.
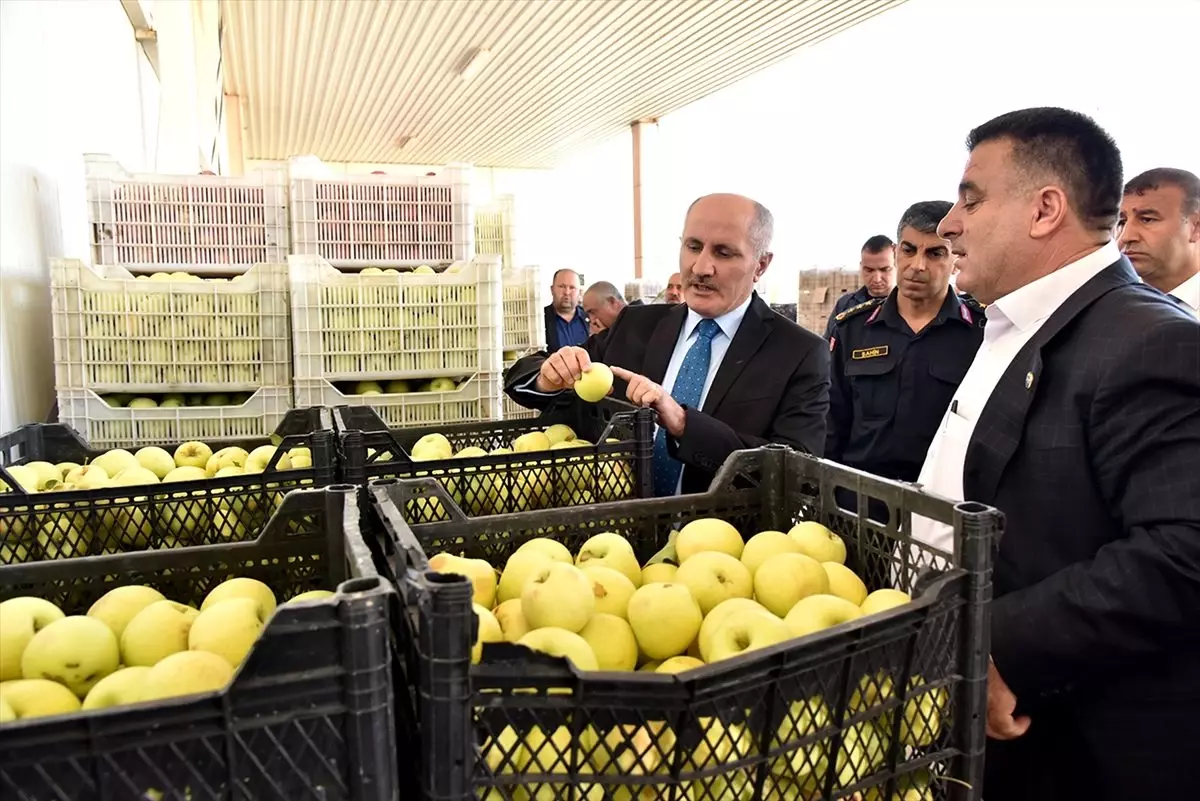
{"type": "Point", "coordinates": [560, 271]}
{"type": "Point", "coordinates": [1151, 180]}
{"type": "Point", "coordinates": [1071, 147]}
{"type": "Point", "coordinates": [923, 216]}
{"type": "Point", "coordinates": [878, 244]}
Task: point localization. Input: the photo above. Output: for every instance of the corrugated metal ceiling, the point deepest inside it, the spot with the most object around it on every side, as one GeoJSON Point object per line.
{"type": "Point", "coordinates": [379, 80]}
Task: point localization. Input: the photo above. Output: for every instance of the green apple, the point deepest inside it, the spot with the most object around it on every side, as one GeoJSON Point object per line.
{"type": "Point", "coordinates": [86, 474]}
{"type": "Point", "coordinates": [804, 719]}
{"type": "Point", "coordinates": [35, 698]}
{"type": "Point", "coordinates": [659, 572]}
{"type": "Point", "coordinates": [844, 583]}
{"type": "Point", "coordinates": [121, 687]}
{"type": "Point", "coordinates": [112, 462]}
{"type": "Point", "coordinates": [817, 541]}
{"type": "Point", "coordinates": [442, 385]}
{"type": "Point", "coordinates": [560, 432]}
{"type": "Point", "coordinates": [424, 269]}
{"type": "Point", "coordinates": [300, 457]}
{"type": "Point", "coordinates": [230, 514]}
{"type": "Point", "coordinates": [192, 454]}
{"type": "Point", "coordinates": [259, 458]}
{"type": "Point", "coordinates": [217, 399]}
{"type": "Point", "coordinates": [612, 641]}
{"type": "Point", "coordinates": [16, 630]}
{"type": "Point", "coordinates": [513, 624]}
{"type": "Point", "coordinates": [242, 587]}
{"type": "Point", "coordinates": [396, 387]}
{"type": "Point", "coordinates": [610, 550]}
{"type": "Point", "coordinates": [594, 384]}
{"type": "Point", "coordinates": [743, 631]}
{"type": "Point", "coordinates": [143, 403]}
{"type": "Point", "coordinates": [716, 617]}
{"type": "Point", "coordinates": [187, 520]}
{"type": "Point", "coordinates": [367, 388]}
{"type": "Point", "coordinates": [232, 456]}
{"type": "Point", "coordinates": [46, 473]}
{"type": "Point", "coordinates": [156, 460]}
{"type": "Point", "coordinates": [612, 589]}
{"type": "Point", "coordinates": [819, 612]}
{"type": "Point", "coordinates": [713, 577]}
{"type": "Point", "coordinates": [436, 441]}
{"type": "Point", "coordinates": [228, 629]}
{"type": "Point", "coordinates": [489, 631]}
{"type": "Point", "coordinates": [76, 652]}
{"type": "Point", "coordinates": [787, 578]}
{"type": "Point", "coordinates": [481, 574]}
{"type": "Point", "coordinates": [521, 566]}
{"type": "Point", "coordinates": [678, 664]}
{"type": "Point", "coordinates": [551, 548]}
{"type": "Point", "coordinates": [764, 545]}
{"type": "Point", "coordinates": [560, 642]}
{"type": "Point", "coordinates": [665, 619]}
{"type": "Point", "coordinates": [311, 595]}
{"type": "Point", "coordinates": [922, 721]}
{"type": "Point", "coordinates": [558, 596]}
{"type": "Point", "coordinates": [708, 534]}
{"type": "Point", "coordinates": [24, 475]}
{"type": "Point", "coordinates": [883, 600]}
{"type": "Point", "coordinates": [872, 690]}
{"type": "Point", "coordinates": [531, 442]}
{"type": "Point", "coordinates": [66, 467]}
{"type": "Point", "coordinates": [120, 605]}
{"type": "Point", "coordinates": [157, 631]}
{"type": "Point", "coordinates": [187, 673]}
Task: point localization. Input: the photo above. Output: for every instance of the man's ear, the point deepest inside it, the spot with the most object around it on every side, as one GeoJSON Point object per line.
{"type": "Point", "coordinates": [1194, 220]}
{"type": "Point", "coordinates": [764, 261]}
{"type": "Point", "coordinates": [1051, 211]}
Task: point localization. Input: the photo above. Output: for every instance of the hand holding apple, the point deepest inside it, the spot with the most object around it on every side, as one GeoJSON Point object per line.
{"type": "Point", "coordinates": [562, 368]}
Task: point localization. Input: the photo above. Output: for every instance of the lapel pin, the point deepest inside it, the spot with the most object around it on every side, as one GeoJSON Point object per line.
{"type": "Point", "coordinates": [1028, 380]}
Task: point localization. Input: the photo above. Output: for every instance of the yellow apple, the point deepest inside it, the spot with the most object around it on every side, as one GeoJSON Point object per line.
{"type": "Point", "coordinates": [228, 629]}
{"type": "Point", "coordinates": [7, 713]}
{"type": "Point", "coordinates": [521, 566]}
{"type": "Point", "coordinates": [232, 456]}
{"type": "Point", "coordinates": [713, 577]}
{"type": "Point", "coordinates": [159, 630]}
{"type": "Point", "coordinates": [665, 619]}
{"type": "Point", "coordinates": [531, 442]}
{"type": "Point", "coordinates": [844, 583]}
{"type": "Point", "coordinates": [46, 473]}
{"type": "Point", "coordinates": [156, 460]}
{"type": "Point", "coordinates": [76, 652]}
{"type": "Point", "coordinates": [819, 612]}
{"type": "Point", "coordinates": [558, 596]}
{"type": "Point", "coordinates": [261, 457]}
{"type": "Point", "coordinates": [436, 443]}
{"type": "Point", "coordinates": [301, 458]}
{"type": "Point", "coordinates": [116, 689]}
{"type": "Point", "coordinates": [85, 474]}
{"type": "Point", "coordinates": [560, 642]}
{"type": "Point", "coordinates": [489, 631]}
{"type": "Point", "coordinates": [746, 630]}
{"type": "Point", "coordinates": [552, 549]}
{"type": "Point", "coordinates": [787, 578]}
{"type": "Point", "coordinates": [242, 587]}
{"type": "Point", "coordinates": [716, 617]}
{"type": "Point", "coordinates": [764, 545]}
{"type": "Point", "coordinates": [43, 612]}
{"type": "Point", "coordinates": [594, 383]}
{"type": "Point", "coordinates": [883, 600]}
{"type": "Point", "coordinates": [922, 721]}
{"type": "Point", "coordinates": [611, 550]}
{"type": "Point", "coordinates": [113, 462]}
{"type": "Point", "coordinates": [481, 574]}
{"type": "Point", "coordinates": [678, 664]}
{"type": "Point", "coordinates": [612, 641]}
{"type": "Point", "coordinates": [512, 621]}
{"type": "Point", "coordinates": [804, 719]}
{"type": "Point", "coordinates": [311, 595]}
{"type": "Point", "coordinates": [650, 667]}
{"type": "Point", "coordinates": [16, 630]}
{"type": "Point", "coordinates": [192, 454]}
{"type": "Point", "coordinates": [612, 590]}
{"type": "Point", "coordinates": [560, 433]}
{"type": "Point", "coordinates": [817, 541]}
{"type": "Point", "coordinates": [872, 690]}
{"type": "Point", "coordinates": [119, 606]}
{"type": "Point", "coordinates": [186, 673]}
{"type": "Point", "coordinates": [35, 698]}
{"type": "Point", "coordinates": [708, 534]}
{"type": "Point", "coordinates": [659, 573]}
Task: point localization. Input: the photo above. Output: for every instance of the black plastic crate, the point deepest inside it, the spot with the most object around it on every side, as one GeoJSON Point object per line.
{"type": "Point", "coordinates": [754, 727]}
{"type": "Point", "coordinates": [308, 715]}
{"type": "Point", "coordinates": [54, 525]}
{"type": "Point", "coordinates": [617, 467]}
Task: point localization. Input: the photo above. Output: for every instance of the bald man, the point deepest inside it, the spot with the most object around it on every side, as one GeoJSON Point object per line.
{"type": "Point", "coordinates": [722, 371]}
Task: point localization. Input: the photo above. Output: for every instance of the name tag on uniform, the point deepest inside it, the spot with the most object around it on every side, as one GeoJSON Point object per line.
{"type": "Point", "coordinates": [869, 353]}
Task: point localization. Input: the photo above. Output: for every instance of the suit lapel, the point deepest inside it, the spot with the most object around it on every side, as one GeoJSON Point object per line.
{"type": "Point", "coordinates": [755, 328]}
{"type": "Point", "coordinates": [1002, 421]}
{"type": "Point", "coordinates": [662, 343]}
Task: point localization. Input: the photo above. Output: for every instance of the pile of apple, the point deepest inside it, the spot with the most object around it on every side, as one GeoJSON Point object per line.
{"type": "Point", "coordinates": [133, 645]}
{"type": "Point", "coordinates": [175, 400]}
{"type": "Point", "coordinates": [401, 386]}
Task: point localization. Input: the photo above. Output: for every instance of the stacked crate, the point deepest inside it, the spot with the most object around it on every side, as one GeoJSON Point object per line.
{"type": "Point", "coordinates": [180, 331]}
{"type": "Point", "coordinates": [819, 292]}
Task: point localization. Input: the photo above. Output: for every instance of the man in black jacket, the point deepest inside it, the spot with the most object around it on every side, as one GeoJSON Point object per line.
{"type": "Point", "coordinates": [722, 370]}
{"type": "Point", "coordinates": [566, 322]}
{"type": "Point", "coordinates": [877, 267]}
{"type": "Point", "coordinates": [1080, 419]}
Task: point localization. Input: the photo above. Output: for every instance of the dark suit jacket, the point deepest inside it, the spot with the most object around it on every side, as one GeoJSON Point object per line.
{"type": "Point", "coordinates": [552, 343]}
{"type": "Point", "coordinates": [1090, 444]}
{"type": "Point", "coordinates": [772, 386]}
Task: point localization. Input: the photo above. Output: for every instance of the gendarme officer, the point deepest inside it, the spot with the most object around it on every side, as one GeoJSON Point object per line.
{"type": "Point", "coordinates": [897, 361]}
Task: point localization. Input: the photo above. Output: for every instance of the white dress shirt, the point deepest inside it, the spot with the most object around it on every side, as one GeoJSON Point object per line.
{"type": "Point", "coordinates": [1189, 293]}
{"type": "Point", "coordinates": [1011, 322]}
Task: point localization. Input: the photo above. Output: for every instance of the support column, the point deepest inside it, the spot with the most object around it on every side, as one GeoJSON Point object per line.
{"type": "Point", "coordinates": [637, 129]}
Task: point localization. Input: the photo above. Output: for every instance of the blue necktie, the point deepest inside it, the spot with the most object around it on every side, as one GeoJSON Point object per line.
{"type": "Point", "coordinates": [689, 386]}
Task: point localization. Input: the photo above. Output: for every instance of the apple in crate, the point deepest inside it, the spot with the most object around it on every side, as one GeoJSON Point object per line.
{"type": "Point", "coordinates": [442, 385]}
{"type": "Point", "coordinates": [367, 388]}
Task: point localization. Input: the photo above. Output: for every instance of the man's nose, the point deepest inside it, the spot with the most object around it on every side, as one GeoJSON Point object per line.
{"type": "Point", "coordinates": [1126, 234]}
{"type": "Point", "coordinates": [949, 227]}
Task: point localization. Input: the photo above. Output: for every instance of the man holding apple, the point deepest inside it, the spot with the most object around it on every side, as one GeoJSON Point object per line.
{"type": "Point", "coordinates": [722, 370]}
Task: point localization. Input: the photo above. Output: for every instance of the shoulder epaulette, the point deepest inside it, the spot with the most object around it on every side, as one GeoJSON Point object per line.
{"type": "Point", "coordinates": [862, 307]}
{"type": "Point", "coordinates": [976, 309]}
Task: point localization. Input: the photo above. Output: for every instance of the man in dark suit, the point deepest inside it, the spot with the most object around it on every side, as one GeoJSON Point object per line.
{"type": "Point", "coordinates": [566, 322]}
{"type": "Point", "coordinates": [722, 370]}
{"type": "Point", "coordinates": [877, 267]}
{"type": "Point", "coordinates": [1080, 419]}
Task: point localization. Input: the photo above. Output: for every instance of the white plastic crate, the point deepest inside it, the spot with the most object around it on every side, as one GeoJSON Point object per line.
{"type": "Point", "coordinates": [524, 321]}
{"type": "Point", "coordinates": [104, 426]}
{"type": "Point", "coordinates": [495, 230]}
{"type": "Point", "coordinates": [475, 400]}
{"type": "Point", "coordinates": [354, 327]}
{"type": "Point", "coordinates": [201, 223]}
{"type": "Point", "coordinates": [381, 220]}
{"type": "Point", "coordinates": [115, 333]}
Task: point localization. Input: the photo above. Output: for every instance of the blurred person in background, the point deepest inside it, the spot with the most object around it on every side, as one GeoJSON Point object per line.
{"type": "Point", "coordinates": [1077, 419]}
{"type": "Point", "coordinates": [674, 290]}
{"type": "Point", "coordinates": [1159, 231]}
{"type": "Point", "coordinates": [877, 268]}
{"type": "Point", "coordinates": [603, 303]}
{"type": "Point", "coordinates": [566, 321]}
{"type": "Point", "coordinates": [721, 370]}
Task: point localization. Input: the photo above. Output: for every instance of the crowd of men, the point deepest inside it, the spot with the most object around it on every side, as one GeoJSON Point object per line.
{"type": "Point", "coordinates": [1034, 346]}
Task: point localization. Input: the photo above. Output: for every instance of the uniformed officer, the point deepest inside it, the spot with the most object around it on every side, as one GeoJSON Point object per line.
{"type": "Point", "coordinates": [877, 268]}
{"type": "Point", "coordinates": [897, 361]}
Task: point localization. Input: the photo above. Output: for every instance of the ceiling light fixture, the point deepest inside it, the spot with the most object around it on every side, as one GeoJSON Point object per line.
{"type": "Point", "coordinates": [478, 61]}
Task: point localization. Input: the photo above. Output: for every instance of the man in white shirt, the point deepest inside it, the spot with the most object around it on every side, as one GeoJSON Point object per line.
{"type": "Point", "coordinates": [1159, 232]}
{"type": "Point", "coordinates": [1079, 419]}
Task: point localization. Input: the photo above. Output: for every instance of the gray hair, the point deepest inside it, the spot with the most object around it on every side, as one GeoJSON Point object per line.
{"type": "Point", "coordinates": [604, 290]}
{"type": "Point", "coordinates": [923, 216]}
{"type": "Point", "coordinates": [762, 227]}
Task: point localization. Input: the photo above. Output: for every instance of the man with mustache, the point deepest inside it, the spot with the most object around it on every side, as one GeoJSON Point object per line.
{"type": "Point", "coordinates": [877, 268]}
{"type": "Point", "coordinates": [722, 371]}
{"type": "Point", "coordinates": [896, 361]}
{"type": "Point", "coordinates": [674, 290]}
{"type": "Point", "coordinates": [1159, 232]}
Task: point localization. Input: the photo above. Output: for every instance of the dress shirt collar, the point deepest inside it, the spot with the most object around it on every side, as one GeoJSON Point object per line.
{"type": "Point", "coordinates": [1036, 301]}
{"type": "Point", "coordinates": [1189, 293]}
{"type": "Point", "coordinates": [729, 322]}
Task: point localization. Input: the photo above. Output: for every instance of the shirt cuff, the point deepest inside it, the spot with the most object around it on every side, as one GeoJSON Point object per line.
{"type": "Point", "coordinates": [530, 386]}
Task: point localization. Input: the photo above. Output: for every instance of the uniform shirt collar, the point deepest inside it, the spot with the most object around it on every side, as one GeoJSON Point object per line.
{"type": "Point", "coordinates": [729, 322]}
{"type": "Point", "coordinates": [1034, 302]}
{"type": "Point", "coordinates": [951, 309]}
